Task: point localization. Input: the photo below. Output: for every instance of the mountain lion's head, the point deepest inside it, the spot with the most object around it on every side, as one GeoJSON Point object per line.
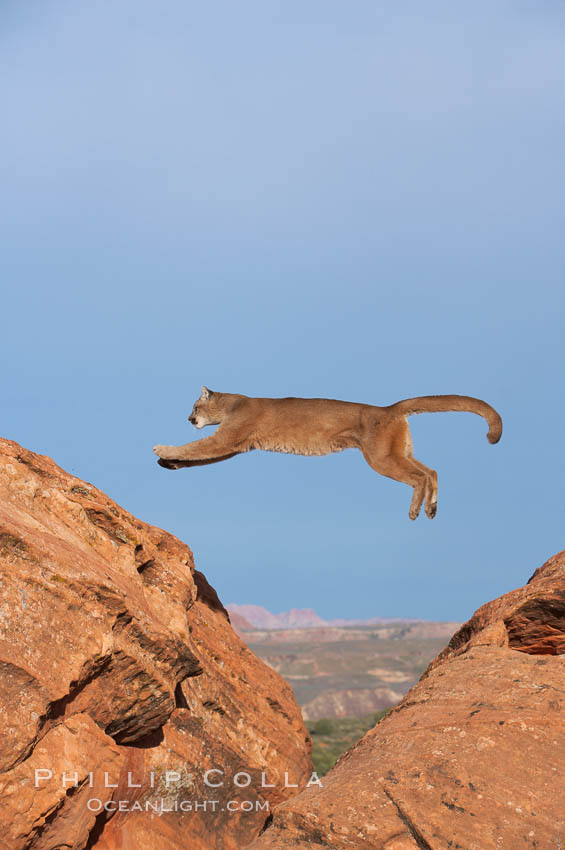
{"type": "Point", "coordinates": [207, 410]}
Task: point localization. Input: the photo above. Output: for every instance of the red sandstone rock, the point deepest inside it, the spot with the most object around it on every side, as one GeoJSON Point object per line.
{"type": "Point", "coordinates": [473, 756]}
{"type": "Point", "coordinates": [117, 658]}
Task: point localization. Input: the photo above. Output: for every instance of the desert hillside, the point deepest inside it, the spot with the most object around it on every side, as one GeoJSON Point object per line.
{"type": "Point", "coordinates": [346, 671]}
{"type": "Point", "coordinates": [342, 671]}
{"type": "Point", "coordinates": [123, 681]}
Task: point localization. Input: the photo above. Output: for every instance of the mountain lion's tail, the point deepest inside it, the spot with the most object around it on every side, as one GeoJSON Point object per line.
{"type": "Point", "coordinates": [437, 403]}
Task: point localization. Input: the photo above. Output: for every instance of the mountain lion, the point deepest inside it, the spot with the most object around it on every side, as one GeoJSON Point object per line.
{"type": "Point", "coordinates": [319, 426]}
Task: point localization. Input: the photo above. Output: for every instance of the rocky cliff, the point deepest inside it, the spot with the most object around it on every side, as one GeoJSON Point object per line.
{"type": "Point", "coordinates": [471, 759]}
{"type": "Point", "coordinates": [123, 682]}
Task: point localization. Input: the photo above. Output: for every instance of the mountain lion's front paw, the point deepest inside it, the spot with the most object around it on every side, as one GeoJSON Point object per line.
{"type": "Point", "coordinates": [166, 452]}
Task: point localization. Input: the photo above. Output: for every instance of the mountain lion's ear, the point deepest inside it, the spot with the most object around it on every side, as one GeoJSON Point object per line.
{"type": "Point", "coordinates": [206, 393]}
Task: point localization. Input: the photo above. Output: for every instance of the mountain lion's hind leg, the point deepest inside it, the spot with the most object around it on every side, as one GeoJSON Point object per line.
{"type": "Point", "coordinates": [404, 469]}
{"type": "Point", "coordinates": [431, 488]}
{"type": "Point", "coordinates": [431, 474]}
{"type": "Point", "coordinates": [386, 453]}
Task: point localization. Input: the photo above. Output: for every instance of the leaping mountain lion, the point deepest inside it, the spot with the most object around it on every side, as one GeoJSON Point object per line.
{"type": "Point", "coordinates": [320, 426]}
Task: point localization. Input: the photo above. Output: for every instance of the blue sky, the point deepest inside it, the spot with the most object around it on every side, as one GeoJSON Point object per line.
{"type": "Point", "coordinates": [352, 200]}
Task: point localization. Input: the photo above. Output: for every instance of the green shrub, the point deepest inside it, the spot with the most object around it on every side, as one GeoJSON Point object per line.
{"type": "Point", "coordinates": [324, 726]}
{"type": "Point", "coordinates": [333, 736]}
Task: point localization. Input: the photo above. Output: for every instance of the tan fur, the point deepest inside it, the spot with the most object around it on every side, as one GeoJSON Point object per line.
{"type": "Point", "coordinates": [320, 426]}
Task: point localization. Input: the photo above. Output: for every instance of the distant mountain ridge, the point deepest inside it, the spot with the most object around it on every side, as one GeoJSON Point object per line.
{"type": "Point", "coordinates": [258, 617]}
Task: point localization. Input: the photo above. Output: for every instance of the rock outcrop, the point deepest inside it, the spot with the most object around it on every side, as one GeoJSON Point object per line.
{"type": "Point", "coordinates": [123, 682]}
{"type": "Point", "coordinates": [473, 756]}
